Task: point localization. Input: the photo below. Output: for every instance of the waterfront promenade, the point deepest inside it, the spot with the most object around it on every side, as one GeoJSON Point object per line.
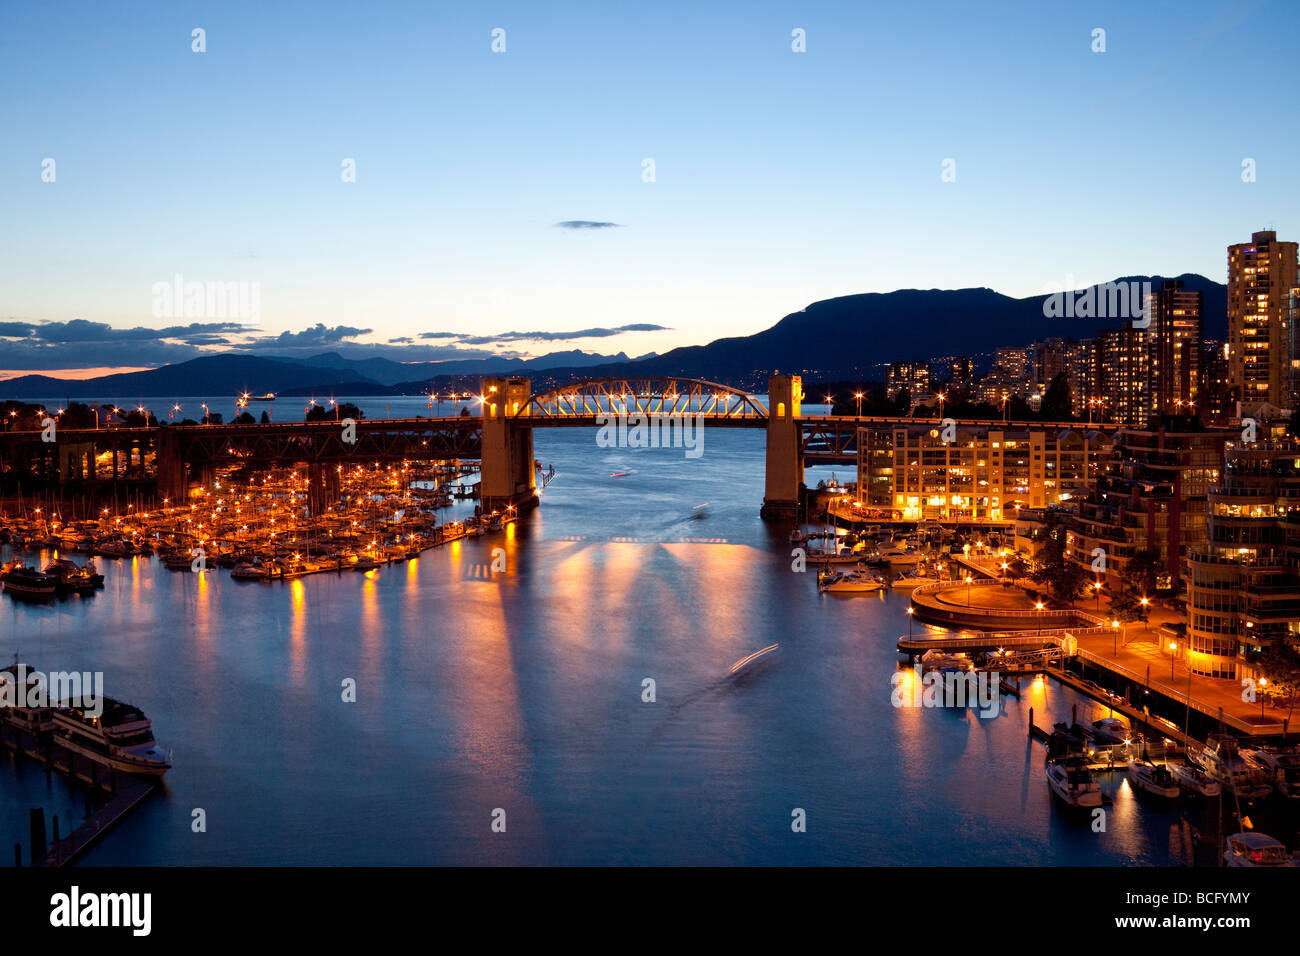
{"type": "Point", "coordinates": [1140, 653]}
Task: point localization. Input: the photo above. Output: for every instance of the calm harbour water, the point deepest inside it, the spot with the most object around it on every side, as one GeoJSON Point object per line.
{"type": "Point", "coordinates": [523, 692]}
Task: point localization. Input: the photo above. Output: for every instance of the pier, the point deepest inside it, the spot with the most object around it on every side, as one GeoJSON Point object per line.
{"type": "Point", "coordinates": [126, 793]}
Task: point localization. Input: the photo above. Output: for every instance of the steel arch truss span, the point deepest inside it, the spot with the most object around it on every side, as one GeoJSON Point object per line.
{"type": "Point", "coordinates": [648, 396]}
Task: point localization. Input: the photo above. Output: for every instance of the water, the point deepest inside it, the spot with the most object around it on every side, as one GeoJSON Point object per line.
{"type": "Point", "coordinates": [524, 693]}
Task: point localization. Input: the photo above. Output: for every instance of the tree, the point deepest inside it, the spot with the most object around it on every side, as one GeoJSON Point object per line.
{"type": "Point", "coordinates": [1139, 573]}
{"type": "Point", "coordinates": [266, 419]}
{"type": "Point", "coordinates": [1056, 402]}
{"type": "Point", "coordinates": [77, 415]}
{"type": "Point", "coordinates": [319, 413]}
{"type": "Point", "coordinates": [1065, 579]}
{"type": "Point", "coordinates": [244, 418]}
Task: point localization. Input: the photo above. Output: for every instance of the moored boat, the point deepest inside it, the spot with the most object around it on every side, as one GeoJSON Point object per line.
{"type": "Point", "coordinates": [1222, 760]}
{"type": "Point", "coordinates": [1251, 848]}
{"type": "Point", "coordinates": [854, 581]}
{"type": "Point", "coordinates": [1194, 779]}
{"type": "Point", "coordinates": [1072, 782]}
{"type": "Point", "coordinates": [1154, 779]}
{"type": "Point", "coordinates": [29, 584]}
{"type": "Point", "coordinates": [121, 737]}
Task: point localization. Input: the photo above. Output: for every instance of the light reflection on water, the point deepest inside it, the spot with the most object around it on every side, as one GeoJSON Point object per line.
{"type": "Point", "coordinates": [522, 691]}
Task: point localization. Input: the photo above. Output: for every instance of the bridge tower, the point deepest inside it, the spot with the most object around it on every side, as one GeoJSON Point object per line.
{"type": "Point", "coordinates": [507, 477]}
{"type": "Point", "coordinates": [784, 448]}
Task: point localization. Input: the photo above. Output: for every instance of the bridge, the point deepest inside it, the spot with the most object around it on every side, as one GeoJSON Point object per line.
{"type": "Point", "coordinates": [501, 435]}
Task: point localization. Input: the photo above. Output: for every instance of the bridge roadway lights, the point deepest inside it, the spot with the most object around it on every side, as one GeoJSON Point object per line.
{"type": "Point", "coordinates": [507, 477]}
{"type": "Point", "coordinates": [784, 449]}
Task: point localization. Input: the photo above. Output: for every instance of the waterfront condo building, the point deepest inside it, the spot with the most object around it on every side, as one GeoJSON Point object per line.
{"type": "Point", "coordinates": [1175, 360]}
{"type": "Point", "coordinates": [1243, 583]}
{"type": "Point", "coordinates": [1261, 274]}
{"type": "Point", "coordinates": [983, 474]}
{"type": "Point", "coordinates": [1151, 497]}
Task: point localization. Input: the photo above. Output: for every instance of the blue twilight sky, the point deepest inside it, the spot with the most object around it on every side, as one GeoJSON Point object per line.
{"type": "Point", "coordinates": [780, 177]}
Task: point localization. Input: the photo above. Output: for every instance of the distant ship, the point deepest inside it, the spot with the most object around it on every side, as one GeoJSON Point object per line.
{"type": "Point", "coordinates": [246, 398]}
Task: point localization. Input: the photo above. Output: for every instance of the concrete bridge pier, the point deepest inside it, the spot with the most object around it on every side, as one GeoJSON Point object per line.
{"type": "Point", "coordinates": [507, 474]}
{"type": "Point", "coordinates": [323, 487]}
{"type": "Point", "coordinates": [173, 483]}
{"type": "Point", "coordinates": [784, 449]}
{"type": "Point", "coordinates": [76, 462]}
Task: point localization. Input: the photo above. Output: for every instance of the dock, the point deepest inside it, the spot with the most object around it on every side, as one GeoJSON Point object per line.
{"type": "Point", "coordinates": [126, 791]}
{"type": "Point", "coordinates": [131, 792]}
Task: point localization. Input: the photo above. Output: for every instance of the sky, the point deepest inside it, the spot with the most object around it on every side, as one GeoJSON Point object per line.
{"type": "Point", "coordinates": [779, 177]}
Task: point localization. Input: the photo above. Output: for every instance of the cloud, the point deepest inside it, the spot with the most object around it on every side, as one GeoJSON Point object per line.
{"type": "Point", "coordinates": [309, 338]}
{"type": "Point", "coordinates": [79, 343]}
{"type": "Point", "coordinates": [586, 224]}
{"type": "Point", "coordinates": [594, 333]}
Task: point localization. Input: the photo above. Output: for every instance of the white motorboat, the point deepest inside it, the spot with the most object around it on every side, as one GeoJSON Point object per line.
{"type": "Point", "coordinates": [1072, 781]}
{"type": "Point", "coordinates": [937, 660]}
{"type": "Point", "coordinates": [1222, 760]}
{"type": "Point", "coordinates": [1280, 766]}
{"type": "Point", "coordinates": [898, 557]}
{"type": "Point", "coordinates": [1111, 730]}
{"type": "Point", "coordinates": [1153, 779]}
{"type": "Point", "coordinates": [855, 581]}
{"type": "Point", "coordinates": [1250, 848]}
{"type": "Point", "coordinates": [1194, 779]}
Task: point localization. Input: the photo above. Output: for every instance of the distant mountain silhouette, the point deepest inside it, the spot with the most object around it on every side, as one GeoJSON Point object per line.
{"type": "Point", "coordinates": [849, 337]}
{"type": "Point", "coordinates": [846, 338]}
{"type": "Point", "coordinates": [209, 375]}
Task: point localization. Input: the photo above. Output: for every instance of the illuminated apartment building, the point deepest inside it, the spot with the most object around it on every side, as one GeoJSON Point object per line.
{"type": "Point", "coordinates": [1124, 375]}
{"type": "Point", "coordinates": [912, 376]}
{"type": "Point", "coordinates": [1261, 274]}
{"type": "Point", "coordinates": [1216, 386]}
{"type": "Point", "coordinates": [984, 474]}
{"type": "Point", "coordinates": [1175, 342]}
{"type": "Point", "coordinates": [1151, 497]}
{"type": "Point", "coordinates": [1243, 589]}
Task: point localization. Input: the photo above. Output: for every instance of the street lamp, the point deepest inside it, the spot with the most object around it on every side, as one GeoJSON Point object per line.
{"type": "Point", "coordinates": [969, 578]}
{"type": "Point", "coordinates": [858, 396]}
{"type": "Point", "coordinates": [1097, 586]}
{"type": "Point", "coordinates": [1263, 682]}
{"type": "Point", "coordinates": [1114, 629]}
{"type": "Point", "coordinates": [1039, 607]}
{"type": "Point", "coordinates": [910, 612]}
{"type": "Point", "coordinates": [1173, 650]}
{"type": "Point", "coordinates": [941, 396]}
{"type": "Point", "coordinates": [1145, 602]}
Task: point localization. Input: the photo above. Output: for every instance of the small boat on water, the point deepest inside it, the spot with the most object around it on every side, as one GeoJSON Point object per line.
{"type": "Point", "coordinates": [1251, 848]}
{"type": "Point", "coordinates": [37, 721]}
{"type": "Point", "coordinates": [1072, 781]}
{"type": "Point", "coordinates": [121, 737]}
{"type": "Point", "coordinates": [71, 577]}
{"type": "Point", "coordinates": [29, 584]}
{"type": "Point", "coordinates": [1222, 760]}
{"type": "Point", "coordinates": [365, 562]}
{"type": "Point", "coordinates": [250, 571]}
{"type": "Point", "coordinates": [1194, 779]}
{"type": "Point", "coordinates": [1110, 730]}
{"type": "Point", "coordinates": [937, 660]}
{"type": "Point", "coordinates": [1154, 779]}
{"type": "Point", "coordinates": [854, 581]}
{"type": "Point", "coordinates": [1281, 765]}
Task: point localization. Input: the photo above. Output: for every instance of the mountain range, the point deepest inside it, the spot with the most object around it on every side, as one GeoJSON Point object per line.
{"type": "Point", "coordinates": [845, 338]}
